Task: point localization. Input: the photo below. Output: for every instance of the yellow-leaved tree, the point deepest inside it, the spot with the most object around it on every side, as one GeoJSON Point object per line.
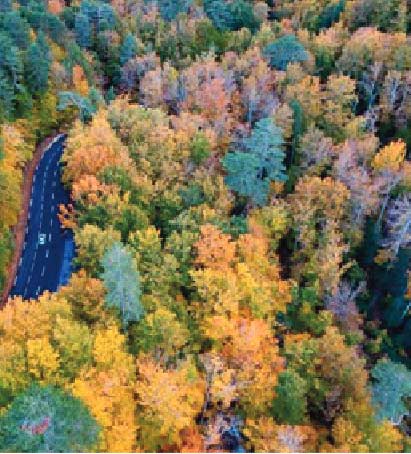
{"type": "Point", "coordinates": [41, 341]}
{"type": "Point", "coordinates": [168, 401]}
{"type": "Point", "coordinates": [106, 387]}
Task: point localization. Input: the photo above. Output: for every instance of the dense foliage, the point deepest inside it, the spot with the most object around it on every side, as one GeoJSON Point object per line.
{"type": "Point", "coordinates": [241, 210]}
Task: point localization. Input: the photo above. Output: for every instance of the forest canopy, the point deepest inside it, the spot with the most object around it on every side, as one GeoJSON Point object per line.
{"type": "Point", "coordinates": [240, 201]}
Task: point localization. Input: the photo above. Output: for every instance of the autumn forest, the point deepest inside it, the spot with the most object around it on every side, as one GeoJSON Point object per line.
{"type": "Point", "coordinates": [240, 203]}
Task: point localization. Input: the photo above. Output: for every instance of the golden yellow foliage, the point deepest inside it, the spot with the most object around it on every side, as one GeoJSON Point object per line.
{"type": "Point", "coordinates": [348, 436]}
{"type": "Point", "coordinates": [16, 152]}
{"type": "Point", "coordinates": [107, 389]}
{"type": "Point", "coordinates": [42, 361]}
{"type": "Point", "coordinates": [218, 290]}
{"type": "Point", "coordinates": [168, 402]}
{"type": "Point", "coordinates": [238, 275]}
{"type": "Point", "coordinates": [390, 158]}
{"type": "Point", "coordinates": [33, 345]}
{"type": "Point", "coordinates": [250, 354]}
{"type": "Point", "coordinates": [264, 435]}
{"type": "Point", "coordinates": [308, 93]}
{"type": "Point", "coordinates": [109, 350]}
{"type": "Point", "coordinates": [109, 396]}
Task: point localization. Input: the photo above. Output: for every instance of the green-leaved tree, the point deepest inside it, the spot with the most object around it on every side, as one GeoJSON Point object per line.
{"type": "Point", "coordinates": [122, 281]}
{"type": "Point", "coordinates": [38, 63]}
{"type": "Point", "coordinates": [250, 172]}
{"type": "Point", "coordinates": [285, 50]}
{"type": "Point", "coordinates": [392, 385]}
{"type": "Point", "coordinates": [290, 403]}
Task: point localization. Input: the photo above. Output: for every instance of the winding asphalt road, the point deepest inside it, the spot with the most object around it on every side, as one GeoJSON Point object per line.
{"type": "Point", "coordinates": [48, 250]}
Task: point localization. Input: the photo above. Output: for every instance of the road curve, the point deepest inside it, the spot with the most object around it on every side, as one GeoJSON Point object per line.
{"type": "Point", "coordinates": [45, 266]}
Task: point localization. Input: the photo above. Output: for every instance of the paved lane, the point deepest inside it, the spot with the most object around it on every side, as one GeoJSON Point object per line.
{"type": "Point", "coordinates": [46, 248]}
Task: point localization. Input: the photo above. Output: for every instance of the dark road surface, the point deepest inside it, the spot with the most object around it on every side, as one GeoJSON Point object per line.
{"type": "Point", "coordinates": [48, 250]}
